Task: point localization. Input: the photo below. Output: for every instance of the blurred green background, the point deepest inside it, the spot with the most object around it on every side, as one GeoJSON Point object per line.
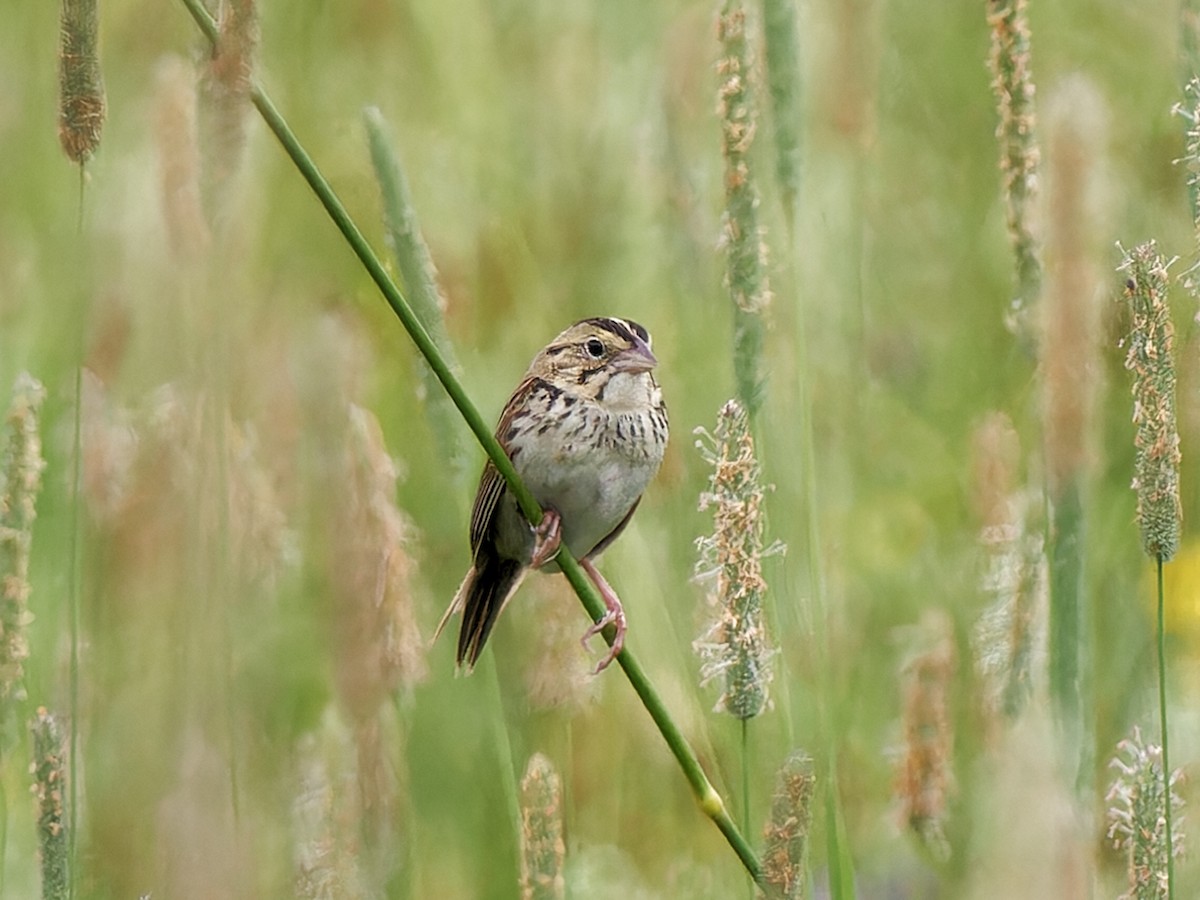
{"type": "Point", "coordinates": [252, 693]}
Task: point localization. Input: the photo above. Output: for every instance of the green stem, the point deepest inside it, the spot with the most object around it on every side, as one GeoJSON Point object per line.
{"type": "Point", "coordinates": [710, 801]}
{"type": "Point", "coordinates": [1162, 718]}
{"type": "Point", "coordinates": [745, 723]}
{"type": "Point", "coordinates": [1066, 619]}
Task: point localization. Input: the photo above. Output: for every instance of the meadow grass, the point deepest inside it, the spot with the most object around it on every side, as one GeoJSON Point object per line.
{"type": "Point", "coordinates": [270, 523]}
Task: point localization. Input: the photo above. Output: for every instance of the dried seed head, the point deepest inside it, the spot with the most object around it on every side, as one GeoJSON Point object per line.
{"type": "Point", "coordinates": [736, 648]}
{"type": "Point", "coordinates": [81, 88]}
{"type": "Point", "coordinates": [925, 780]}
{"type": "Point", "coordinates": [1012, 83]}
{"type": "Point", "coordinates": [542, 847]}
{"type": "Point", "coordinates": [1137, 816]}
{"type": "Point", "coordinates": [49, 772]}
{"type": "Point", "coordinates": [1070, 311]}
{"type": "Point", "coordinates": [785, 854]}
{"type": "Point", "coordinates": [995, 453]}
{"type": "Point", "coordinates": [179, 158]}
{"type": "Point", "coordinates": [21, 470]}
{"type": "Point", "coordinates": [1009, 640]}
{"type": "Point", "coordinates": [1150, 357]}
{"type": "Point", "coordinates": [109, 446]}
{"type": "Point", "coordinates": [379, 645]}
{"type": "Point", "coordinates": [225, 89]}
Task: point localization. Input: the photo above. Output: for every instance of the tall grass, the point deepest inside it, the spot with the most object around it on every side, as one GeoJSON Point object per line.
{"type": "Point", "coordinates": [268, 515]}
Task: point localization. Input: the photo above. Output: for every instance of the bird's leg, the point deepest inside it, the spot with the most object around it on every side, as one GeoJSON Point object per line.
{"type": "Point", "coordinates": [547, 539]}
{"type": "Point", "coordinates": [614, 615]}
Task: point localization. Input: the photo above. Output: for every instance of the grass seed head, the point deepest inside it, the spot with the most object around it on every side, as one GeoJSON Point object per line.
{"type": "Point", "coordinates": [542, 848]}
{"type": "Point", "coordinates": [785, 854]}
{"type": "Point", "coordinates": [1150, 357]}
{"type": "Point", "coordinates": [1137, 816]}
{"type": "Point", "coordinates": [81, 106]}
{"type": "Point", "coordinates": [925, 781]}
{"type": "Point", "coordinates": [49, 772]}
{"type": "Point", "coordinates": [1012, 84]}
{"type": "Point", "coordinates": [21, 468]}
{"type": "Point", "coordinates": [736, 648]}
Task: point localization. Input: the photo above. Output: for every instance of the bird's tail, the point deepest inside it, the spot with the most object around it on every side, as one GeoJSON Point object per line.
{"type": "Point", "coordinates": [481, 597]}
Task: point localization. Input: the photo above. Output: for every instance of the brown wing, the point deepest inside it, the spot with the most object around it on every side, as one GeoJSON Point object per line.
{"type": "Point", "coordinates": [492, 580]}
{"type": "Point", "coordinates": [491, 483]}
{"type": "Point", "coordinates": [487, 501]}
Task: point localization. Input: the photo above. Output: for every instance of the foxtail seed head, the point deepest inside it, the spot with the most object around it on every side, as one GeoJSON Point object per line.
{"type": "Point", "coordinates": [785, 854]}
{"type": "Point", "coordinates": [542, 847]}
{"type": "Point", "coordinates": [1137, 815]}
{"type": "Point", "coordinates": [742, 238]}
{"type": "Point", "coordinates": [49, 772]}
{"type": "Point", "coordinates": [1150, 359]}
{"type": "Point", "coordinates": [735, 648]}
{"type": "Point", "coordinates": [81, 104]}
{"type": "Point", "coordinates": [1012, 83]}
{"type": "Point", "coordinates": [21, 467]}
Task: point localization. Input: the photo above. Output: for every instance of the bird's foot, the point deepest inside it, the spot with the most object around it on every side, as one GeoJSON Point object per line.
{"type": "Point", "coordinates": [547, 539]}
{"type": "Point", "coordinates": [614, 615]}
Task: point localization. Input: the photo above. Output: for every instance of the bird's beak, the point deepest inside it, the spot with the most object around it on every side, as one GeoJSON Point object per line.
{"type": "Point", "coordinates": [636, 359]}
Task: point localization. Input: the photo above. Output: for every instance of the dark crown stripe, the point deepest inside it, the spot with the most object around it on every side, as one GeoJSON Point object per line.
{"type": "Point", "coordinates": [619, 327]}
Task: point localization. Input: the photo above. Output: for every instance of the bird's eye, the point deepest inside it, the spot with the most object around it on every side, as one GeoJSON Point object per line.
{"type": "Point", "coordinates": [594, 347]}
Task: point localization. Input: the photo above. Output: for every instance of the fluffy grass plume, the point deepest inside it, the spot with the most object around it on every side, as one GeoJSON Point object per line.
{"type": "Point", "coordinates": [736, 648]}
{"type": "Point", "coordinates": [786, 835]}
{"type": "Point", "coordinates": [81, 105]}
{"type": "Point", "coordinates": [1010, 61]}
{"type": "Point", "coordinates": [224, 92]}
{"type": "Point", "coordinates": [1137, 816]}
{"type": "Point", "coordinates": [1070, 368]}
{"type": "Point", "coordinates": [1150, 357]}
{"type": "Point", "coordinates": [21, 468]}
{"type": "Point", "coordinates": [49, 793]}
{"type": "Point", "coordinates": [1070, 312]}
{"type": "Point", "coordinates": [742, 237]}
{"type": "Point", "coordinates": [542, 847]}
{"type": "Point", "coordinates": [177, 141]}
{"type": "Point", "coordinates": [1010, 631]}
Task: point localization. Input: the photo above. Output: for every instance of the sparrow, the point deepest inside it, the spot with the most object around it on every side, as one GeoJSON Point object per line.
{"type": "Point", "coordinates": [586, 430]}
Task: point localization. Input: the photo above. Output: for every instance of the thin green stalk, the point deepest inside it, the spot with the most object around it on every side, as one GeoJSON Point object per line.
{"type": "Point", "coordinates": [783, 54]}
{"type": "Point", "coordinates": [1162, 718]}
{"type": "Point", "coordinates": [499, 726]}
{"type": "Point", "coordinates": [1066, 620]}
{"type": "Point", "coordinates": [73, 580]}
{"type": "Point", "coordinates": [710, 801]}
{"type": "Point", "coordinates": [745, 723]}
{"type": "Point", "coordinates": [841, 866]}
{"type": "Point", "coordinates": [73, 565]}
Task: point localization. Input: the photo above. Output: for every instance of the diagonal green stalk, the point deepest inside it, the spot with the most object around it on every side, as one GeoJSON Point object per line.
{"type": "Point", "coordinates": [1067, 610]}
{"type": "Point", "coordinates": [1162, 718]}
{"type": "Point", "coordinates": [710, 801]}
